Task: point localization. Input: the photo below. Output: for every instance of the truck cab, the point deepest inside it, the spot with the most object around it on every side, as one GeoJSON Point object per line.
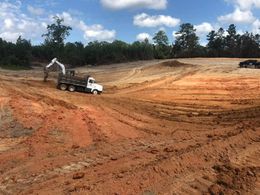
{"type": "Point", "coordinates": [93, 87]}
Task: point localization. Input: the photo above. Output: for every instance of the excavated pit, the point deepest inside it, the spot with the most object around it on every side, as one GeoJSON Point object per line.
{"type": "Point", "coordinates": [190, 126]}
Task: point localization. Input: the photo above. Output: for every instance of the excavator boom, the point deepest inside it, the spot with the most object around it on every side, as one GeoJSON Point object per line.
{"type": "Point", "coordinates": [46, 68]}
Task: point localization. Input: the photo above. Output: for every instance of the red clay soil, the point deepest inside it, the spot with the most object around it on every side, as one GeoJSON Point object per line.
{"type": "Point", "coordinates": [232, 180]}
{"type": "Point", "coordinates": [187, 127]}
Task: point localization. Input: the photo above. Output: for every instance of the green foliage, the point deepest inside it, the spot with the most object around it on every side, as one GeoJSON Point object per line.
{"type": "Point", "coordinates": [117, 51]}
{"type": "Point", "coordinates": [248, 45]}
{"type": "Point", "coordinates": [216, 43]}
{"type": "Point", "coordinates": [54, 39]}
{"type": "Point", "coordinates": [19, 55]}
{"type": "Point", "coordinates": [141, 50]}
{"type": "Point", "coordinates": [187, 42]}
{"type": "Point", "coordinates": [233, 44]}
{"type": "Point", "coordinates": [57, 32]}
{"type": "Point", "coordinates": [231, 41]}
{"type": "Point", "coordinates": [23, 51]}
{"type": "Point", "coordinates": [74, 54]}
{"type": "Point", "coordinates": [161, 38]}
{"type": "Point", "coordinates": [15, 56]}
{"type": "Point", "coordinates": [14, 67]}
{"type": "Point", "coordinates": [162, 48]}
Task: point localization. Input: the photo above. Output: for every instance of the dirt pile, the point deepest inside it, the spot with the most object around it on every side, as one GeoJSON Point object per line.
{"type": "Point", "coordinates": [174, 63]}
{"type": "Point", "coordinates": [234, 180]}
{"type": "Point", "coordinates": [170, 65]}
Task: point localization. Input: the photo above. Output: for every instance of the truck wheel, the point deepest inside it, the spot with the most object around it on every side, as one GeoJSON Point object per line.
{"type": "Point", "coordinates": [72, 88]}
{"type": "Point", "coordinates": [63, 87]}
{"type": "Point", "coordinates": [95, 92]}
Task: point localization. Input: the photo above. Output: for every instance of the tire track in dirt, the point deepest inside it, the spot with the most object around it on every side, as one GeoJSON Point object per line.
{"type": "Point", "coordinates": [146, 140]}
{"type": "Point", "coordinates": [158, 159]}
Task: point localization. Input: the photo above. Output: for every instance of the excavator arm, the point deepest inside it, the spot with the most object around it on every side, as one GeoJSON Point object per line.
{"type": "Point", "coordinates": [46, 68]}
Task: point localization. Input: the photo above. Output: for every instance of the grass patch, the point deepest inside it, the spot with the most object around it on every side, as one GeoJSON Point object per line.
{"type": "Point", "coordinates": [15, 67]}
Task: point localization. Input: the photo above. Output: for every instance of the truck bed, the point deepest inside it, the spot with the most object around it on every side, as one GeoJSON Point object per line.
{"type": "Point", "coordinates": [72, 80]}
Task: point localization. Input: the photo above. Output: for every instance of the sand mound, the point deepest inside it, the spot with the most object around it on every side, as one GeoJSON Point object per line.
{"type": "Point", "coordinates": [174, 63]}
{"type": "Point", "coordinates": [164, 66]}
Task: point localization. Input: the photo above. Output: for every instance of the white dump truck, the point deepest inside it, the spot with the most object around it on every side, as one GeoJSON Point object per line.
{"type": "Point", "coordinates": [74, 83]}
{"type": "Point", "coordinates": [68, 81]}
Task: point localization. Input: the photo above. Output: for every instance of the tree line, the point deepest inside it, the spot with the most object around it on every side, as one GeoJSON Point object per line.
{"type": "Point", "coordinates": [221, 43]}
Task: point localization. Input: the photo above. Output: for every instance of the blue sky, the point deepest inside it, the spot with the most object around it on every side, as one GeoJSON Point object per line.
{"type": "Point", "coordinates": [127, 20]}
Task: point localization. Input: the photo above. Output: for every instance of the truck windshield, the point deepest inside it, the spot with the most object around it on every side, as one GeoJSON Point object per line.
{"type": "Point", "coordinates": [91, 81]}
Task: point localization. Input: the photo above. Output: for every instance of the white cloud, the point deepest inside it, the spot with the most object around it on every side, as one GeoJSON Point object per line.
{"type": "Point", "coordinates": [245, 4]}
{"type": "Point", "coordinates": [203, 43]}
{"type": "Point", "coordinates": [35, 10]}
{"type": "Point", "coordinates": [8, 23]}
{"type": "Point", "coordinates": [90, 32]}
{"type": "Point", "coordinates": [15, 23]}
{"type": "Point", "coordinates": [174, 35]}
{"type": "Point", "coordinates": [162, 28]}
{"type": "Point", "coordinates": [203, 28]}
{"type": "Point", "coordinates": [145, 20]}
{"type": "Point", "coordinates": [126, 4]}
{"type": "Point", "coordinates": [243, 13]}
{"type": "Point", "coordinates": [143, 36]}
{"type": "Point", "coordinates": [238, 16]}
{"type": "Point", "coordinates": [256, 26]}
{"type": "Point", "coordinates": [68, 20]}
{"type": "Point", "coordinates": [97, 32]}
{"type": "Point", "coordinates": [240, 32]}
{"type": "Point", "coordinates": [10, 36]}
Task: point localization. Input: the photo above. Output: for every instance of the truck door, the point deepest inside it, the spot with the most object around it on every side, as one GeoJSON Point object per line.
{"type": "Point", "coordinates": [90, 83]}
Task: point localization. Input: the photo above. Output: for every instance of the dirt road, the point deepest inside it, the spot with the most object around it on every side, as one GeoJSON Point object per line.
{"type": "Point", "coordinates": [161, 127]}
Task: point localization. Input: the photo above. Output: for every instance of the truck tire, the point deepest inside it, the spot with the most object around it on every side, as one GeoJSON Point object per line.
{"type": "Point", "coordinates": [63, 87]}
{"type": "Point", "coordinates": [94, 92]}
{"type": "Point", "coordinates": [72, 88]}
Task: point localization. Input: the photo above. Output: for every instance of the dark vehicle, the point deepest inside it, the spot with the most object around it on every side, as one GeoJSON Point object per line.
{"type": "Point", "coordinates": [250, 64]}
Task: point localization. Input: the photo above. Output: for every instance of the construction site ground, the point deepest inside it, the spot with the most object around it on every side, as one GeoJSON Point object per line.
{"type": "Point", "coordinates": [190, 126]}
